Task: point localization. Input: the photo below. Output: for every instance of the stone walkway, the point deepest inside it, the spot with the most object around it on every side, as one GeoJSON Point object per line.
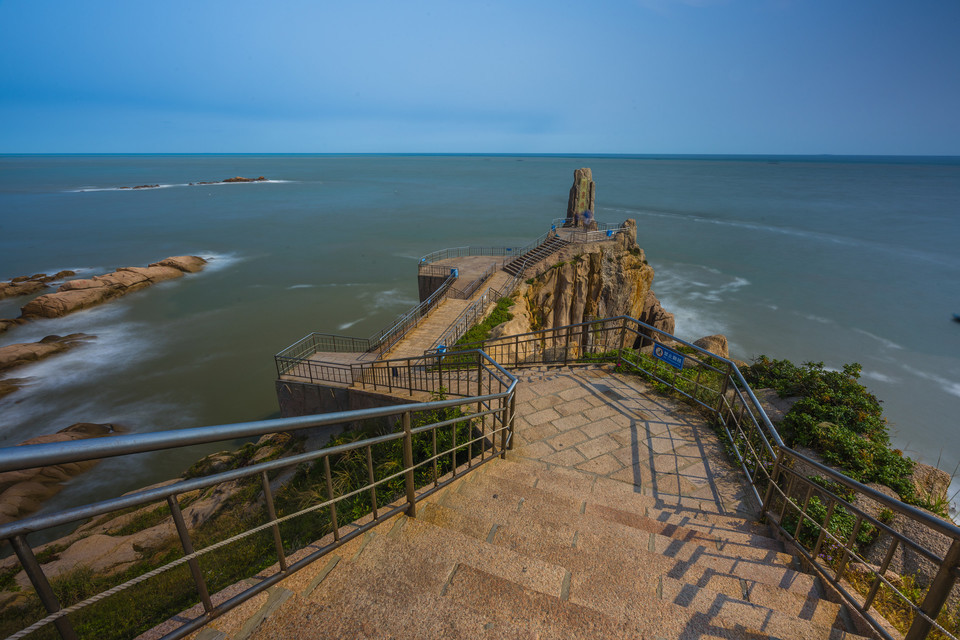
{"type": "Point", "coordinates": [614, 426]}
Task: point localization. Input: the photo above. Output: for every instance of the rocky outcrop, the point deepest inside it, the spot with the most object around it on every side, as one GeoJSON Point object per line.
{"type": "Point", "coordinates": [15, 355]}
{"type": "Point", "coordinates": [656, 316]}
{"type": "Point", "coordinates": [26, 285]}
{"type": "Point", "coordinates": [241, 179]}
{"type": "Point", "coordinates": [715, 344]}
{"type": "Point", "coordinates": [75, 295]}
{"type": "Point", "coordinates": [22, 492]}
{"type": "Point", "coordinates": [583, 195]}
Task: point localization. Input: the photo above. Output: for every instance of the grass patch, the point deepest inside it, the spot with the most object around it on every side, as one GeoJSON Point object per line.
{"type": "Point", "coordinates": [481, 331]}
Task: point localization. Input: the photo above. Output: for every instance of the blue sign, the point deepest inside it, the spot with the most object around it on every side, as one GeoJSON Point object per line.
{"type": "Point", "coordinates": [669, 356]}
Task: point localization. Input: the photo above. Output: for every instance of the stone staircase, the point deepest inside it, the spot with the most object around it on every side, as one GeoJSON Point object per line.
{"type": "Point", "coordinates": [516, 266]}
{"type": "Point", "coordinates": [516, 550]}
{"type": "Point", "coordinates": [615, 516]}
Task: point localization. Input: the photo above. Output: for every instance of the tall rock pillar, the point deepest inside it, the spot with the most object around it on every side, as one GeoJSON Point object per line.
{"type": "Point", "coordinates": [582, 198]}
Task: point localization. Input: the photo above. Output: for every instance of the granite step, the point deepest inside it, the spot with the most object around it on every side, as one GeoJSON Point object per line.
{"type": "Point", "coordinates": [687, 561]}
{"type": "Point", "coordinates": [560, 507]}
{"type": "Point", "coordinates": [587, 555]}
{"type": "Point", "coordinates": [602, 491]}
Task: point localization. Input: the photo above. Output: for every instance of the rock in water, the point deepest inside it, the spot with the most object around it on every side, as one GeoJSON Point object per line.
{"type": "Point", "coordinates": [75, 295]}
{"type": "Point", "coordinates": [22, 492]}
{"type": "Point", "coordinates": [582, 196]}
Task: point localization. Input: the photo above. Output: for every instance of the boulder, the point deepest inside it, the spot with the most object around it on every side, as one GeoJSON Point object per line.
{"type": "Point", "coordinates": [82, 293]}
{"type": "Point", "coordinates": [656, 316]}
{"type": "Point", "coordinates": [24, 490]}
{"type": "Point", "coordinates": [15, 355]}
{"type": "Point", "coordinates": [12, 289]}
{"type": "Point", "coordinates": [715, 344]}
{"type": "Point", "coordinates": [929, 482]}
{"type": "Point", "coordinates": [187, 264]}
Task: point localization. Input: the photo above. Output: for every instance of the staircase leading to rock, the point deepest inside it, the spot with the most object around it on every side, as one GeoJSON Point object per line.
{"type": "Point", "coordinates": [517, 551]}
{"type": "Point", "coordinates": [615, 516]}
{"type": "Point", "coordinates": [519, 264]}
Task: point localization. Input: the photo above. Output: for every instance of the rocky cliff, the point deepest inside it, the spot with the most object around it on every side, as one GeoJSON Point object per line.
{"type": "Point", "coordinates": [590, 280]}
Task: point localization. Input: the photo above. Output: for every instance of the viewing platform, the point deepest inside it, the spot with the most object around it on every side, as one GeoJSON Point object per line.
{"type": "Point", "coordinates": [457, 288]}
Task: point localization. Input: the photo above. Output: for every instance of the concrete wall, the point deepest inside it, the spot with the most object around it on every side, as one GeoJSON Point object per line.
{"type": "Point", "coordinates": [303, 399]}
{"type": "Point", "coordinates": [428, 284]}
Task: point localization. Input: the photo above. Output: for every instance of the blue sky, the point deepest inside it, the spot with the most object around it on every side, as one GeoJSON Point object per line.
{"type": "Point", "coordinates": [640, 76]}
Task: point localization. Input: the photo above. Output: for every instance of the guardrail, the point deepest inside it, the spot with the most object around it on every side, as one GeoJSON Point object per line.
{"type": "Point", "coordinates": [460, 252]}
{"type": "Point", "coordinates": [472, 287]}
{"type": "Point", "coordinates": [430, 445]}
{"type": "Point", "coordinates": [820, 519]}
{"type": "Point", "coordinates": [294, 357]}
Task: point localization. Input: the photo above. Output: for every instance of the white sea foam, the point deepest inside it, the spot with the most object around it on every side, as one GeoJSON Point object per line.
{"type": "Point", "coordinates": [218, 261]}
{"type": "Point", "coordinates": [179, 184]}
{"type": "Point", "coordinates": [950, 386]}
{"type": "Point", "coordinates": [880, 377]}
{"type": "Point", "coordinates": [347, 325]}
{"type": "Point", "coordinates": [301, 286]}
{"type": "Point", "coordinates": [902, 252]}
{"type": "Point", "coordinates": [887, 343]}
{"type": "Point", "coordinates": [820, 319]}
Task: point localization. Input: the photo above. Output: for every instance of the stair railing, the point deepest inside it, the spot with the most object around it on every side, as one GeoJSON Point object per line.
{"type": "Point", "coordinates": [810, 505]}
{"type": "Point", "coordinates": [303, 497]}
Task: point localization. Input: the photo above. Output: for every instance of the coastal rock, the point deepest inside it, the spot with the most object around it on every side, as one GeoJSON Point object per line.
{"type": "Point", "coordinates": [15, 355]}
{"type": "Point", "coordinates": [929, 482]}
{"type": "Point", "coordinates": [656, 316]}
{"type": "Point", "coordinates": [582, 196]}
{"type": "Point", "coordinates": [75, 295]}
{"type": "Point", "coordinates": [241, 179]}
{"type": "Point", "coordinates": [715, 344]}
{"type": "Point", "coordinates": [187, 264]}
{"type": "Point", "coordinates": [10, 323]}
{"type": "Point", "coordinates": [23, 491]}
{"type": "Point", "coordinates": [26, 285]}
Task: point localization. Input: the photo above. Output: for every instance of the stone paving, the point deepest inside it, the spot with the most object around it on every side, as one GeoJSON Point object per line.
{"type": "Point", "coordinates": [611, 425]}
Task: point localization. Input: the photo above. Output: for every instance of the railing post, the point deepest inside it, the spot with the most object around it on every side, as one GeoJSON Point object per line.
{"type": "Point", "coordinates": [723, 389]}
{"type": "Point", "coordinates": [513, 416]}
{"type": "Point", "coordinates": [188, 550]}
{"type": "Point", "coordinates": [937, 594]}
{"type": "Point", "coordinates": [32, 568]}
{"type": "Point", "coordinates": [408, 466]}
{"type": "Point", "coordinates": [772, 481]}
{"type": "Point", "coordinates": [272, 514]}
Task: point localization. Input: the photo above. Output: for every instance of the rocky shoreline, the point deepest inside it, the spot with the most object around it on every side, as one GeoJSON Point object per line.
{"type": "Point", "coordinates": [82, 293]}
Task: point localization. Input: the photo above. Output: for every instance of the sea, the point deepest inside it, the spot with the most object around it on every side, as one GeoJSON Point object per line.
{"type": "Point", "coordinates": [827, 259]}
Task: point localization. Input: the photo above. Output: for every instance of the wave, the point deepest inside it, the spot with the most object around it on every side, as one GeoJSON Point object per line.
{"type": "Point", "coordinates": [887, 343]}
{"type": "Point", "coordinates": [173, 185]}
{"type": "Point", "coordinates": [347, 325]}
{"type": "Point", "coordinates": [950, 386]}
{"type": "Point", "coordinates": [301, 286]}
{"type": "Point", "coordinates": [818, 236]}
{"type": "Point", "coordinates": [218, 261]}
{"type": "Point", "coordinates": [879, 377]}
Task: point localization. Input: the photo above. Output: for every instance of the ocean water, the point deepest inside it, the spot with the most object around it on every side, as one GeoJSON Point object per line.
{"type": "Point", "coordinates": [814, 259]}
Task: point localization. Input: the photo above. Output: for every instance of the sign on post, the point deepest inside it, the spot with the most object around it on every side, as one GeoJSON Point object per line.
{"type": "Point", "coordinates": [669, 356]}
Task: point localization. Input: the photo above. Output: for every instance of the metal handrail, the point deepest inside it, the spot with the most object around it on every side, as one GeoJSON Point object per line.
{"type": "Point", "coordinates": [460, 252]}
{"type": "Point", "coordinates": [761, 454]}
{"type": "Point", "coordinates": [489, 420]}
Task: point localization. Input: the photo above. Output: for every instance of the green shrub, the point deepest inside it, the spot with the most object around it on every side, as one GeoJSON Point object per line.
{"type": "Point", "coordinates": [838, 418]}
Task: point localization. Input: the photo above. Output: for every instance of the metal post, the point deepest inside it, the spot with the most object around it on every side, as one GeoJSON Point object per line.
{"type": "Point", "coordinates": [512, 430]}
{"type": "Point", "coordinates": [408, 466]}
{"type": "Point", "coordinates": [30, 565]}
{"type": "Point", "coordinates": [723, 388]}
{"type": "Point", "coordinates": [774, 473]}
{"type": "Point", "coordinates": [272, 514]}
{"type": "Point", "coordinates": [937, 594]}
{"type": "Point", "coordinates": [188, 550]}
{"type": "Point", "coordinates": [333, 505]}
